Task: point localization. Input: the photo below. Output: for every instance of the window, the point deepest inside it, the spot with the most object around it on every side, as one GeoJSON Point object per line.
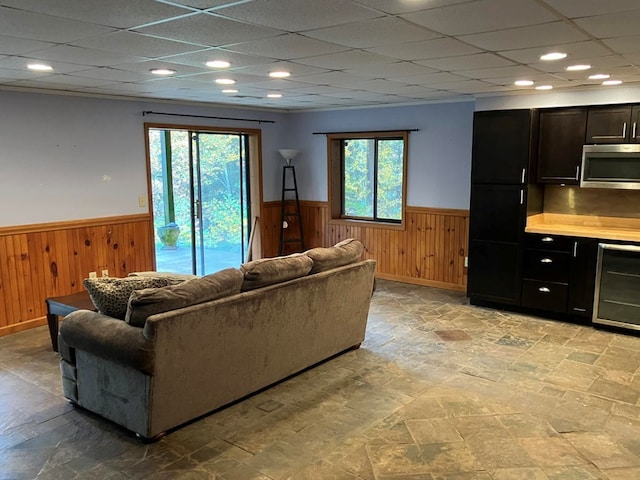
{"type": "Point", "coordinates": [368, 176]}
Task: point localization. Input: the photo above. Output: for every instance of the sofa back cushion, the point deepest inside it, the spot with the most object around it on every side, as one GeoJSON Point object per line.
{"type": "Point", "coordinates": [267, 271]}
{"type": "Point", "coordinates": [144, 303]}
{"type": "Point", "coordinates": [172, 278]}
{"type": "Point", "coordinates": [342, 253]}
{"type": "Point", "coordinates": [110, 295]}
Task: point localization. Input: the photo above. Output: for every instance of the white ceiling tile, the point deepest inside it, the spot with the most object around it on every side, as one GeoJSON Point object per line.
{"type": "Point", "coordinates": [437, 48]}
{"type": "Point", "coordinates": [114, 74]}
{"type": "Point", "coordinates": [432, 78]}
{"type": "Point", "coordinates": [628, 44]}
{"type": "Point", "coordinates": [386, 70]}
{"type": "Point", "coordinates": [125, 42]}
{"type": "Point", "coordinates": [588, 8]}
{"type": "Point", "coordinates": [526, 37]}
{"type": "Point", "coordinates": [208, 30]}
{"type": "Point", "coordinates": [513, 71]}
{"type": "Point", "coordinates": [66, 80]}
{"type": "Point", "coordinates": [339, 79]}
{"type": "Point", "coordinates": [13, 74]}
{"type": "Point", "coordinates": [465, 62]}
{"type": "Point", "coordinates": [35, 26]}
{"type": "Point", "coordinates": [201, 57]}
{"type": "Point", "coordinates": [20, 46]}
{"type": "Point", "coordinates": [614, 25]}
{"type": "Point", "coordinates": [111, 13]}
{"type": "Point", "coordinates": [146, 67]}
{"type": "Point", "coordinates": [318, 90]}
{"type": "Point", "coordinates": [201, 4]}
{"type": "Point", "coordinates": [298, 15]}
{"type": "Point", "coordinates": [474, 86]}
{"type": "Point", "coordinates": [296, 69]}
{"type": "Point", "coordinates": [481, 16]}
{"type": "Point", "coordinates": [288, 47]}
{"type": "Point", "coordinates": [540, 78]}
{"type": "Point", "coordinates": [577, 50]}
{"type": "Point", "coordinates": [82, 56]}
{"type": "Point", "coordinates": [20, 63]}
{"type": "Point", "coordinates": [403, 6]}
{"type": "Point", "coordinates": [343, 60]}
{"type": "Point", "coordinates": [373, 33]}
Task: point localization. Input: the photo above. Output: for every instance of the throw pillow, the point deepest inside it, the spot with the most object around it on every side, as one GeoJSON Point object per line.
{"type": "Point", "coordinates": [267, 271]}
{"type": "Point", "coordinates": [342, 253]}
{"type": "Point", "coordinates": [147, 302]}
{"type": "Point", "coordinates": [110, 295]}
{"type": "Point", "coordinates": [172, 278]}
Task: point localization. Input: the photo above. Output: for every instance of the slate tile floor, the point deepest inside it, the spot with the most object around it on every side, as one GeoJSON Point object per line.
{"type": "Point", "coordinates": [440, 390]}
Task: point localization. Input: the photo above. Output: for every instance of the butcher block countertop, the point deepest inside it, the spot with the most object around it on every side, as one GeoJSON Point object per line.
{"type": "Point", "coordinates": [608, 228]}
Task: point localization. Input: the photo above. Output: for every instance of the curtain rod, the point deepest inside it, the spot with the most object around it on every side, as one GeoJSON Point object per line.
{"type": "Point", "coordinates": [149, 112]}
{"type": "Point", "coordinates": [369, 131]}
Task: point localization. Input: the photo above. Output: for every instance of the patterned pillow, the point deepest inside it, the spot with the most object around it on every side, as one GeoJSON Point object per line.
{"type": "Point", "coordinates": [110, 295]}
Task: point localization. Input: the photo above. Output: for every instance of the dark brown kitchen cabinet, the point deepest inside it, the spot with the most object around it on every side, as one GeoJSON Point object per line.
{"type": "Point", "coordinates": [501, 160]}
{"type": "Point", "coordinates": [611, 124]}
{"type": "Point", "coordinates": [582, 277]}
{"type": "Point", "coordinates": [501, 146]}
{"type": "Point", "coordinates": [635, 124]}
{"type": "Point", "coordinates": [560, 139]}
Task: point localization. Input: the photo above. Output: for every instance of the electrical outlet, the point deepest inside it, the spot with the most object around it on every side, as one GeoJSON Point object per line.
{"type": "Point", "coordinates": [93, 275]}
{"type": "Point", "coordinates": [466, 261]}
{"type": "Point", "coordinates": [142, 201]}
{"type": "Point", "coordinates": [105, 273]}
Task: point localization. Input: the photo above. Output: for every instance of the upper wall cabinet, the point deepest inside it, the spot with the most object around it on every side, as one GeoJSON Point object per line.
{"type": "Point", "coordinates": [501, 147]}
{"type": "Point", "coordinates": [613, 124]}
{"type": "Point", "coordinates": [560, 141]}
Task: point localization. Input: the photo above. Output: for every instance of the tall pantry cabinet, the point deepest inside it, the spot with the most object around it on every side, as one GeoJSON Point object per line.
{"type": "Point", "coordinates": [503, 157]}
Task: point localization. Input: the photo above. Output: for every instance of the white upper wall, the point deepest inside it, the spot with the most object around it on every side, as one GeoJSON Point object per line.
{"type": "Point", "coordinates": [72, 157]}
{"type": "Point", "coordinates": [439, 157]}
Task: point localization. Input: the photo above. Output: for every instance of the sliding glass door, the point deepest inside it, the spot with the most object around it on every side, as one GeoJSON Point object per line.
{"type": "Point", "coordinates": [200, 191]}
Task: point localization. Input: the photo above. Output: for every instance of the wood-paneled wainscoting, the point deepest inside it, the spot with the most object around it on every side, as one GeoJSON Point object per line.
{"type": "Point", "coordinates": [48, 260]}
{"type": "Point", "coordinates": [429, 251]}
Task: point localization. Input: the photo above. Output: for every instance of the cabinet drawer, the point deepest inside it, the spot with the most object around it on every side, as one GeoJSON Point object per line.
{"type": "Point", "coordinates": [548, 266]}
{"type": "Point", "coordinates": [547, 296]}
{"type": "Point", "coordinates": [538, 241]}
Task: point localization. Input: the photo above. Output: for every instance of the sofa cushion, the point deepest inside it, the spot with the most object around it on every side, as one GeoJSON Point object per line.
{"type": "Point", "coordinates": [110, 295]}
{"type": "Point", "coordinates": [147, 302]}
{"type": "Point", "coordinates": [267, 271]}
{"type": "Point", "coordinates": [342, 253]}
{"type": "Point", "coordinates": [172, 278]}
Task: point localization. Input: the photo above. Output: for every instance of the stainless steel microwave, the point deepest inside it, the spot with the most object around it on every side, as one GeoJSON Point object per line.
{"type": "Point", "coordinates": [611, 166]}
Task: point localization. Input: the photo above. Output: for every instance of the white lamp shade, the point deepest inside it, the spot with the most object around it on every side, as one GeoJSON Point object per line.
{"type": "Point", "coordinates": [288, 153]}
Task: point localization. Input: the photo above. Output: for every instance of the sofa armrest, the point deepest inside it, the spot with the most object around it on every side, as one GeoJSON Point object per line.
{"type": "Point", "coordinates": [108, 338]}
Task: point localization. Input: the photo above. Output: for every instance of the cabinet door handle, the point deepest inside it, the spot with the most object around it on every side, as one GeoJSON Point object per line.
{"type": "Point", "coordinates": [576, 309]}
{"type": "Point", "coordinates": [577, 172]}
{"type": "Point", "coordinates": [624, 130]}
{"type": "Point", "coordinates": [546, 260]}
{"type": "Point", "coordinates": [633, 133]}
{"type": "Point", "coordinates": [521, 197]}
{"type": "Point", "coordinates": [544, 290]}
{"type": "Point", "coordinates": [575, 249]}
{"type": "Point", "coordinates": [547, 239]}
{"type": "Point", "coordinates": [523, 172]}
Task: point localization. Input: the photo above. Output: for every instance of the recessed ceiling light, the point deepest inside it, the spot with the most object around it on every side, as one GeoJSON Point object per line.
{"type": "Point", "coordinates": [218, 64]}
{"type": "Point", "coordinates": [225, 81]}
{"type": "Point", "coordinates": [229, 90]}
{"type": "Point", "coordinates": [274, 95]}
{"type": "Point", "coordinates": [544, 87]}
{"type": "Point", "coordinates": [40, 67]}
{"type": "Point", "coordinates": [612, 82]}
{"type": "Point", "coordinates": [575, 68]}
{"type": "Point", "coordinates": [553, 56]}
{"type": "Point", "coordinates": [279, 74]}
{"type": "Point", "coordinates": [163, 71]}
{"type": "Point", "coordinates": [523, 83]}
{"type": "Point", "coordinates": [599, 76]}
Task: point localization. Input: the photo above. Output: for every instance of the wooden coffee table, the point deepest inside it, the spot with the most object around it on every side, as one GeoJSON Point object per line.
{"type": "Point", "coordinates": [61, 306]}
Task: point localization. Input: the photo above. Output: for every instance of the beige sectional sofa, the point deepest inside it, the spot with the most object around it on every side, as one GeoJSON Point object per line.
{"type": "Point", "coordinates": [190, 347]}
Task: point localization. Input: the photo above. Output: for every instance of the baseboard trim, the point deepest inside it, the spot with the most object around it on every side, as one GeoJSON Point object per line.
{"type": "Point", "coordinates": [423, 282]}
{"type": "Point", "coordinates": [26, 325]}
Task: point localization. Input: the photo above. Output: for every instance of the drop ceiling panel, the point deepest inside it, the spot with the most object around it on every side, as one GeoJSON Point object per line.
{"type": "Point", "coordinates": [114, 75]}
{"type": "Point", "coordinates": [83, 56]}
{"type": "Point", "coordinates": [526, 37]}
{"type": "Point", "coordinates": [297, 70]}
{"type": "Point", "coordinates": [288, 47]}
{"type": "Point", "coordinates": [373, 33]}
{"type": "Point", "coordinates": [431, 78]}
{"type": "Point", "coordinates": [142, 45]}
{"type": "Point", "coordinates": [614, 25]}
{"type": "Point", "coordinates": [573, 50]}
{"type": "Point", "coordinates": [465, 62]}
{"type": "Point", "coordinates": [65, 80]}
{"type": "Point", "coordinates": [201, 4]}
{"type": "Point", "coordinates": [339, 79]}
{"type": "Point", "coordinates": [111, 13]}
{"type": "Point", "coordinates": [514, 71]}
{"type": "Point", "coordinates": [201, 57]}
{"type": "Point", "coordinates": [397, 69]}
{"type": "Point", "coordinates": [437, 48]}
{"type": "Point", "coordinates": [588, 8]}
{"type": "Point", "coordinates": [298, 15]}
{"type": "Point", "coordinates": [405, 6]}
{"type": "Point", "coordinates": [20, 46]}
{"type": "Point", "coordinates": [628, 44]}
{"type": "Point", "coordinates": [35, 26]}
{"type": "Point", "coordinates": [10, 74]}
{"type": "Point", "coordinates": [20, 63]}
{"type": "Point", "coordinates": [481, 16]}
{"type": "Point", "coordinates": [208, 30]}
{"type": "Point", "coordinates": [344, 60]}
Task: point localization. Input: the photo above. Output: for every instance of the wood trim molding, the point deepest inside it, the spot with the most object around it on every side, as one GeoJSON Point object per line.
{"type": "Point", "coordinates": [70, 224]}
{"type": "Point", "coordinates": [422, 281]}
{"type": "Point", "coordinates": [26, 325]}
{"type": "Point", "coordinates": [438, 211]}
